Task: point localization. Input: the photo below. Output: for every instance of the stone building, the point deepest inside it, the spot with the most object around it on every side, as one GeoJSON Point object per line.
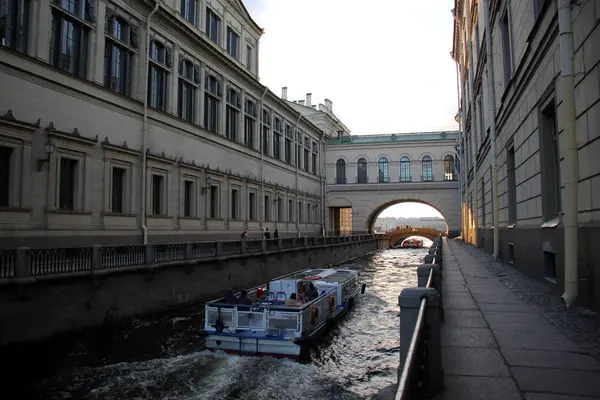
{"type": "Point", "coordinates": [129, 120]}
{"type": "Point", "coordinates": [525, 88]}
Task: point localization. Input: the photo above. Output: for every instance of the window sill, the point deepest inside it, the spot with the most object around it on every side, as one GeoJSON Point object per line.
{"type": "Point", "coordinates": [552, 223]}
{"type": "Point", "coordinates": [511, 226]}
{"type": "Point", "coordinates": [15, 209]}
{"type": "Point", "coordinates": [190, 217]}
{"type": "Point", "coordinates": [71, 212]}
{"type": "Point", "coordinates": [117, 214]}
{"type": "Point", "coordinates": [161, 216]}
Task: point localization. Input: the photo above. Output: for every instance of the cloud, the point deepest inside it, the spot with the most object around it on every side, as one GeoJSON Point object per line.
{"type": "Point", "coordinates": [386, 67]}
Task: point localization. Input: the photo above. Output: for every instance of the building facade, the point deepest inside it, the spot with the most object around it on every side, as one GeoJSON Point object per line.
{"type": "Point", "coordinates": [369, 173]}
{"type": "Point", "coordinates": [146, 121]}
{"type": "Point", "coordinates": [516, 103]}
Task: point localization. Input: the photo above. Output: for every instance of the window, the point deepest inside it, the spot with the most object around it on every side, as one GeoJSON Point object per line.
{"type": "Point", "coordinates": [118, 55]}
{"type": "Point", "coordinates": [212, 98]}
{"type": "Point", "coordinates": [315, 170]}
{"type": "Point", "coordinates": [117, 190]}
{"type": "Point", "coordinates": [384, 171]}
{"type": "Point", "coordinates": [266, 124]}
{"type": "Point", "coordinates": [300, 212]}
{"type": "Point", "coordinates": [235, 196]}
{"type": "Point", "coordinates": [5, 159]}
{"type": "Point", "coordinates": [213, 26]}
{"type": "Point", "coordinates": [232, 112]}
{"type": "Point", "coordinates": [299, 136]}
{"type": "Point", "coordinates": [482, 132]}
{"type": "Point", "coordinates": [267, 208]}
{"type": "Point", "coordinates": [277, 133]}
{"type": "Point", "coordinates": [340, 171]}
{"type": "Point", "coordinates": [290, 210]}
{"type": "Point", "coordinates": [506, 47]}
{"type": "Point", "coordinates": [249, 122]}
{"type": "Point", "coordinates": [158, 183]}
{"type": "Point", "coordinates": [188, 10]}
{"type": "Point", "coordinates": [67, 183]}
{"type": "Point", "coordinates": [252, 206]}
{"type": "Point", "coordinates": [289, 137]}
{"type": "Point", "coordinates": [249, 57]}
{"type": "Point", "coordinates": [188, 198]}
{"type": "Point", "coordinates": [550, 162]}
{"type": "Point", "coordinates": [427, 169]}
{"type": "Point", "coordinates": [160, 62]}
{"type": "Point", "coordinates": [189, 77]}
{"type": "Point", "coordinates": [69, 40]}
{"type": "Point", "coordinates": [306, 152]}
{"type": "Point", "coordinates": [405, 169]}
{"type": "Point", "coordinates": [482, 202]}
{"type": "Point", "coordinates": [214, 202]}
{"type": "Point", "coordinates": [233, 43]}
{"type": "Point", "coordinates": [279, 209]}
{"type": "Point", "coordinates": [361, 171]}
{"type": "Point", "coordinates": [511, 185]}
{"type": "Point", "coordinates": [449, 171]}
{"type": "Point", "coordinates": [308, 219]}
{"type": "Point", "coordinates": [14, 24]}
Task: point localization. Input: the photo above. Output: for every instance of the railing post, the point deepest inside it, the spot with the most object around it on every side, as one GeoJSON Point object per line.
{"type": "Point", "coordinates": [218, 248]}
{"type": "Point", "coordinates": [96, 257]}
{"type": "Point", "coordinates": [263, 246]}
{"type": "Point", "coordinates": [189, 251]}
{"type": "Point", "coordinates": [23, 262]}
{"type": "Point", "coordinates": [243, 247]}
{"type": "Point", "coordinates": [429, 360]}
{"type": "Point", "coordinates": [436, 282]}
{"type": "Point", "coordinates": [149, 253]}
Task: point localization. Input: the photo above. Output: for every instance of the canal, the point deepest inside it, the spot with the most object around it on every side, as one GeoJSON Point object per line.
{"type": "Point", "coordinates": [162, 357]}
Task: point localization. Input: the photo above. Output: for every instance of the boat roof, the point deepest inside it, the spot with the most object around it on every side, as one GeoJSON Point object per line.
{"type": "Point", "coordinates": [323, 275]}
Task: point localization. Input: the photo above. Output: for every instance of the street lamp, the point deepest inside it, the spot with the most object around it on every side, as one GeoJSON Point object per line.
{"type": "Point", "coordinates": [208, 181]}
{"type": "Point", "coordinates": [48, 149]}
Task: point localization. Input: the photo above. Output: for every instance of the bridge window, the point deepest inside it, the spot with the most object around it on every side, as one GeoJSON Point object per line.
{"type": "Point", "coordinates": [405, 170]}
{"type": "Point", "coordinates": [340, 171]}
{"type": "Point", "coordinates": [449, 174]}
{"type": "Point", "coordinates": [361, 171]}
{"type": "Point", "coordinates": [427, 169]}
{"type": "Point", "coordinates": [384, 170]}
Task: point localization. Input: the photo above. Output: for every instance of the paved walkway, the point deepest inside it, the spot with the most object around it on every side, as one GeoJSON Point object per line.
{"type": "Point", "coordinates": [498, 346]}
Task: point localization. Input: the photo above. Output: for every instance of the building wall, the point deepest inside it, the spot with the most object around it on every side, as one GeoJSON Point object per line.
{"type": "Point", "coordinates": [72, 303]}
{"type": "Point", "coordinates": [528, 100]}
{"type": "Point", "coordinates": [437, 188]}
{"type": "Point", "coordinates": [102, 129]}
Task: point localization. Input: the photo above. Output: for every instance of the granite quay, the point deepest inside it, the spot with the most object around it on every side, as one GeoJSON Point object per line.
{"type": "Point", "coordinates": [63, 290]}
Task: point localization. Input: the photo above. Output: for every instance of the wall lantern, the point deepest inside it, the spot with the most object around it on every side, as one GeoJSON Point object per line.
{"type": "Point", "coordinates": [208, 181]}
{"type": "Point", "coordinates": [48, 149]}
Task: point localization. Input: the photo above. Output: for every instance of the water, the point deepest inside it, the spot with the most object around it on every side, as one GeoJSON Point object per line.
{"type": "Point", "coordinates": [162, 357]}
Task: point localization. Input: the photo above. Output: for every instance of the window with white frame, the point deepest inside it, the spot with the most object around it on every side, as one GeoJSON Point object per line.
{"type": "Point", "coordinates": [427, 169]}
{"type": "Point", "coordinates": [300, 212]}
{"type": "Point", "coordinates": [315, 152]}
{"type": "Point", "coordinates": [405, 169]}
{"type": "Point", "coordinates": [249, 57]}
{"type": "Point", "coordinates": [189, 78]}
{"type": "Point", "coordinates": [159, 194]}
{"type": "Point", "coordinates": [68, 182]}
{"type": "Point", "coordinates": [291, 210]}
{"type": "Point", "coordinates": [277, 133]}
{"type": "Point", "coordinates": [158, 69]}
{"type": "Point", "coordinates": [233, 43]}
{"type": "Point", "coordinates": [213, 26]}
{"type": "Point", "coordinates": [118, 189]}
{"type": "Point", "coordinates": [299, 137]}
{"type": "Point", "coordinates": [212, 99]}
{"type": "Point", "coordinates": [249, 122]}
{"type": "Point", "coordinates": [306, 163]}
{"type": "Point", "coordinates": [267, 207]}
{"type": "Point", "coordinates": [252, 206]}
{"type": "Point", "coordinates": [289, 138]}
{"type": "Point", "coordinates": [266, 125]}
{"type": "Point", "coordinates": [120, 43]}
{"type": "Point", "coordinates": [189, 198]}
{"type": "Point", "coordinates": [189, 10]}
{"type": "Point", "coordinates": [214, 201]}
{"type": "Point", "coordinates": [235, 203]}
{"type": "Point", "coordinates": [14, 24]}
{"type": "Point", "coordinates": [6, 154]}
{"type": "Point", "coordinates": [234, 106]}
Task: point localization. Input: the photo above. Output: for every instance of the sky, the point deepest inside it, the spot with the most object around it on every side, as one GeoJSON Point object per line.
{"type": "Point", "coordinates": [386, 67]}
{"type": "Point", "coordinates": [410, 209]}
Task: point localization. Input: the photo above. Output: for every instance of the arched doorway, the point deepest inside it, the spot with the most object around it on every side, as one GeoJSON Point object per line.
{"type": "Point", "coordinates": [410, 213]}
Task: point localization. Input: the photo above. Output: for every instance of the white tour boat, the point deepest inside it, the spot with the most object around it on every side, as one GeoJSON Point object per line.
{"type": "Point", "coordinates": [269, 326]}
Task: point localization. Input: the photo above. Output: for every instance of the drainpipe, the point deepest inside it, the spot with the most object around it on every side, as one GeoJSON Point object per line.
{"type": "Point", "coordinates": [145, 126]}
{"type": "Point", "coordinates": [565, 31]}
{"type": "Point", "coordinates": [492, 110]}
{"type": "Point", "coordinates": [262, 160]}
{"type": "Point", "coordinates": [297, 172]}
{"type": "Point", "coordinates": [323, 181]}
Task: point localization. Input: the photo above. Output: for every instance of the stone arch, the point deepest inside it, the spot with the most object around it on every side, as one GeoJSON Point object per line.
{"type": "Point", "coordinates": [367, 159]}
{"type": "Point", "coordinates": [433, 158]}
{"type": "Point", "coordinates": [397, 236]}
{"type": "Point", "coordinates": [383, 155]}
{"type": "Point", "coordinates": [410, 157]}
{"type": "Point", "coordinates": [339, 202]}
{"type": "Point", "coordinates": [370, 220]}
{"type": "Point", "coordinates": [341, 158]}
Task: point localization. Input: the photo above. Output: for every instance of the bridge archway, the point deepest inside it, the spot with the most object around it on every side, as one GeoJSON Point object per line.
{"type": "Point", "coordinates": [397, 236]}
{"type": "Point", "coordinates": [372, 217]}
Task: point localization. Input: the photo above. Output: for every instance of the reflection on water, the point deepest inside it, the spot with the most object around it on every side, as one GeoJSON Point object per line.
{"type": "Point", "coordinates": [163, 357]}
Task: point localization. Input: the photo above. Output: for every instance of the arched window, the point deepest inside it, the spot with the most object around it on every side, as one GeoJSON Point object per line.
{"type": "Point", "coordinates": [427, 169]}
{"type": "Point", "coordinates": [449, 172]}
{"type": "Point", "coordinates": [405, 170]}
{"type": "Point", "coordinates": [361, 171]}
{"type": "Point", "coordinates": [384, 170]}
{"type": "Point", "coordinates": [340, 171]}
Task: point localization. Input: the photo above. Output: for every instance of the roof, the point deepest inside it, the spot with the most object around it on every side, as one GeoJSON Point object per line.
{"type": "Point", "coordinates": [395, 137]}
{"type": "Point", "coordinates": [239, 4]}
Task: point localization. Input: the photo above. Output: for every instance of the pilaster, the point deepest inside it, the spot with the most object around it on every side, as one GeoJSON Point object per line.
{"type": "Point", "coordinates": [240, 132]}
{"type": "Point", "coordinates": [98, 43]}
{"type": "Point", "coordinates": [200, 96]}
{"type": "Point", "coordinates": [41, 30]}
{"type": "Point", "coordinates": [222, 109]}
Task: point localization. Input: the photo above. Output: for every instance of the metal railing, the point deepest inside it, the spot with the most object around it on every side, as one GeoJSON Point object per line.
{"type": "Point", "coordinates": [421, 375]}
{"type": "Point", "coordinates": [26, 262]}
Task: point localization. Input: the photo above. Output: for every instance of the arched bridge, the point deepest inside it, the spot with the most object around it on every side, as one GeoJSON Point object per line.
{"type": "Point", "coordinates": [399, 234]}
